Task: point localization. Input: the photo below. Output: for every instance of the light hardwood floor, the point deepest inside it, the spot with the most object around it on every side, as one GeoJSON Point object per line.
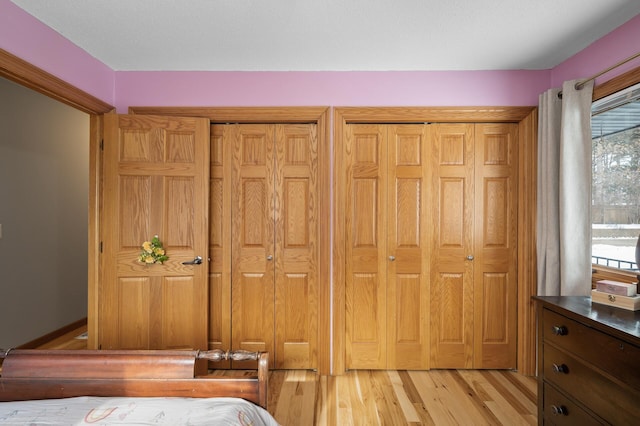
{"type": "Point", "coordinates": [435, 397]}
{"type": "Point", "coordinates": [386, 397]}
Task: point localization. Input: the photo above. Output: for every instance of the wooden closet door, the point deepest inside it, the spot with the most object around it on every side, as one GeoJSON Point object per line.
{"type": "Point", "coordinates": [275, 242]}
{"type": "Point", "coordinates": [296, 246]}
{"type": "Point", "coordinates": [495, 251]}
{"type": "Point", "coordinates": [386, 247]}
{"type": "Point", "coordinates": [407, 277]}
{"type": "Point", "coordinates": [452, 245]}
{"type": "Point", "coordinates": [156, 182]}
{"type": "Point", "coordinates": [474, 246]}
{"type": "Point", "coordinates": [253, 266]}
{"type": "Point", "coordinates": [366, 246]}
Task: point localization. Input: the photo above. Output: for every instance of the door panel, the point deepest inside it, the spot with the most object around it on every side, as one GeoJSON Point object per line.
{"type": "Point", "coordinates": [252, 243]}
{"type": "Point", "coordinates": [177, 328]}
{"type": "Point", "coordinates": [365, 245]}
{"type": "Point", "coordinates": [452, 241]}
{"type": "Point", "coordinates": [296, 246]}
{"type": "Point", "coordinates": [495, 249]}
{"type": "Point", "coordinates": [155, 183]}
{"type": "Point", "coordinates": [133, 321]}
{"type": "Point", "coordinates": [407, 248]}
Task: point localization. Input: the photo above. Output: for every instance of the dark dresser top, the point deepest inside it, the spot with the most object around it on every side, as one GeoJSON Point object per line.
{"type": "Point", "coordinates": [621, 322]}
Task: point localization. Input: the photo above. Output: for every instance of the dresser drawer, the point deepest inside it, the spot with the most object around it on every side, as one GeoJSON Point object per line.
{"type": "Point", "coordinates": [581, 381]}
{"type": "Point", "coordinates": [559, 409]}
{"type": "Point", "coordinates": [616, 357]}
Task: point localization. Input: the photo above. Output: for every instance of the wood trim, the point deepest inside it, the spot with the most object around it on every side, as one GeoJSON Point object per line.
{"type": "Point", "coordinates": [241, 114]}
{"type": "Point", "coordinates": [527, 257]}
{"type": "Point", "coordinates": [431, 114]}
{"type": "Point", "coordinates": [320, 116]}
{"type": "Point", "coordinates": [339, 251]}
{"type": "Point", "coordinates": [325, 336]}
{"type": "Point", "coordinates": [42, 340]}
{"type": "Point", "coordinates": [527, 117]}
{"type": "Point", "coordinates": [96, 135]}
{"type": "Point", "coordinates": [22, 72]}
{"type": "Point", "coordinates": [616, 84]}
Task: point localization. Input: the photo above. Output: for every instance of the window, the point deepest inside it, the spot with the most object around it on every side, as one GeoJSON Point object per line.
{"type": "Point", "coordinates": [615, 124]}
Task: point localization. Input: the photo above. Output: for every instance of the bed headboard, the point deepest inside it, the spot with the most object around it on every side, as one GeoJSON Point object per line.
{"type": "Point", "coordinates": [45, 374]}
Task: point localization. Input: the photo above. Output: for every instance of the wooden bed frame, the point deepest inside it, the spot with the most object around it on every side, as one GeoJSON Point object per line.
{"type": "Point", "coordinates": [29, 374]}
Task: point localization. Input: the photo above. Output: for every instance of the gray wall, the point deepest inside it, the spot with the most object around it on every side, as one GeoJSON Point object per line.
{"type": "Point", "coordinates": [44, 172]}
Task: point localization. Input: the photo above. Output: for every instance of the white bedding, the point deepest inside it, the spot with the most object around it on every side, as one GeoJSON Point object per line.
{"type": "Point", "coordinates": [86, 410]}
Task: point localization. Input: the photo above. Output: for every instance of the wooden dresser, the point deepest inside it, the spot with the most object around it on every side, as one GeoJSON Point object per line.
{"type": "Point", "coordinates": [588, 362]}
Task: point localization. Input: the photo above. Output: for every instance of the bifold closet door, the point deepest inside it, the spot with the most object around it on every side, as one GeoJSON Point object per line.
{"type": "Point", "coordinates": [274, 245]}
{"type": "Point", "coordinates": [386, 238]}
{"type": "Point", "coordinates": [474, 246]}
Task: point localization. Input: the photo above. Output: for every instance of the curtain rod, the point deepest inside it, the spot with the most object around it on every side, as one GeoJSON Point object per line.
{"type": "Point", "coordinates": [579, 85]}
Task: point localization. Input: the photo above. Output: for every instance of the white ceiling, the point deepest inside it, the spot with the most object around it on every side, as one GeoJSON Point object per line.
{"type": "Point", "coordinates": [335, 35]}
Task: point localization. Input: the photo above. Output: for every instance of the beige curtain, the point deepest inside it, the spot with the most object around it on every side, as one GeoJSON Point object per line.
{"type": "Point", "coordinates": [564, 191]}
{"type": "Point", "coordinates": [548, 227]}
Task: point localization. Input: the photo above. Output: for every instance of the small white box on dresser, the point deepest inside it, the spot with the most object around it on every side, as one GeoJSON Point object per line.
{"type": "Point", "coordinates": [616, 287]}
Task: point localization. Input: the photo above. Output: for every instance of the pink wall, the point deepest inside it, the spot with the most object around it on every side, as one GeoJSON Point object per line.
{"type": "Point", "coordinates": [616, 46]}
{"type": "Point", "coordinates": [28, 38]}
{"type": "Point", "coordinates": [463, 88]}
{"type": "Point", "coordinates": [24, 36]}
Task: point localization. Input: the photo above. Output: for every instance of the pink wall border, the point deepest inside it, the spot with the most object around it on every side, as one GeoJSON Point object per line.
{"type": "Point", "coordinates": [463, 88]}
{"type": "Point", "coordinates": [27, 38]}
{"type": "Point", "coordinates": [614, 47]}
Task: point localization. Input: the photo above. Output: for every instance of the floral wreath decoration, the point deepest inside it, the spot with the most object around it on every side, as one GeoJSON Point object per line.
{"type": "Point", "coordinates": [153, 252]}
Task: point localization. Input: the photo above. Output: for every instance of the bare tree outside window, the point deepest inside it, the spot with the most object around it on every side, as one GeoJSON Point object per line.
{"type": "Point", "coordinates": [616, 179]}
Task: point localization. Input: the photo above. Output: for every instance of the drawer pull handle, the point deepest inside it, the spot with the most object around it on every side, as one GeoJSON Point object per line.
{"type": "Point", "coordinates": [559, 410]}
{"type": "Point", "coordinates": [559, 330]}
{"type": "Point", "coordinates": [562, 368]}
